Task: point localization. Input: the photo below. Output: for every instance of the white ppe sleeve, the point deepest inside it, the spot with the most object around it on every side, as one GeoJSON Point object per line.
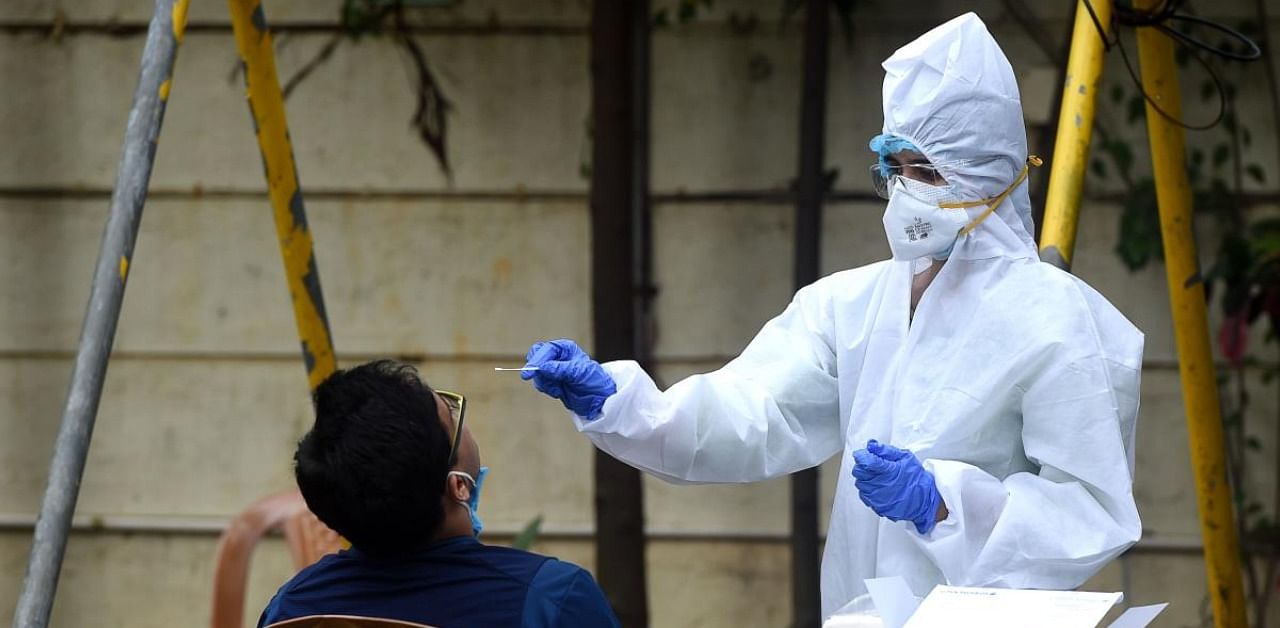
{"type": "Point", "coordinates": [771, 411]}
{"type": "Point", "coordinates": [1056, 528]}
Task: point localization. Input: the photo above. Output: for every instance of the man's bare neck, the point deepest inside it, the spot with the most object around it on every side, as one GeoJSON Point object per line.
{"type": "Point", "coordinates": [921, 281]}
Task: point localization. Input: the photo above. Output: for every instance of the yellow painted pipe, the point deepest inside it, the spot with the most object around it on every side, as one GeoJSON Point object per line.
{"type": "Point", "coordinates": [1191, 329]}
{"type": "Point", "coordinates": [266, 104]}
{"type": "Point", "coordinates": [1075, 129]}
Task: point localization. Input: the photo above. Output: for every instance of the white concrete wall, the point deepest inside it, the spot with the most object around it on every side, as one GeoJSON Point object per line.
{"type": "Point", "coordinates": [206, 394]}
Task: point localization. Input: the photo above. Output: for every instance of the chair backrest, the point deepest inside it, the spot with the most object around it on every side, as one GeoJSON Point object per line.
{"type": "Point", "coordinates": [308, 540]}
{"type": "Point", "coordinates": [344, 621]}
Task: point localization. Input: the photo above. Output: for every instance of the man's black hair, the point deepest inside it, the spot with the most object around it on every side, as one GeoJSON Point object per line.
{"type": "Point", "coordinates": [374, 466]}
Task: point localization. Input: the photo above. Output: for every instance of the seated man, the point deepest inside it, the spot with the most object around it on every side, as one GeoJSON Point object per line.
{"type": "Point", "coordinates": [391, 466]}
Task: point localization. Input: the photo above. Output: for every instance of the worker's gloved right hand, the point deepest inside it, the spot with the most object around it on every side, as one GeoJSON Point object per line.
{"type": "Point", "coordinates": [567, 373]}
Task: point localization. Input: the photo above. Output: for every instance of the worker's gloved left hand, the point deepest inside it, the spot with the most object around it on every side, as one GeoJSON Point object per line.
{"type": "Point", "coordinates": [893, 483]}
{"type": "Point", "coordinates": [567, 373]}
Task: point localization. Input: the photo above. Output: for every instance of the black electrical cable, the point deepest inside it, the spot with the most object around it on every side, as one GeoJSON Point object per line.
{"type": "Point", "coordinates": [1254, 52]}
{"type": "Point", "coordinates": [1159, 18]}
{"type": "Point", "coordinates": [1097, 24]}
{"type": "Point", "coordinates": [1217, 83]}
{"type": "Point", "coordinates": [1130, 16]}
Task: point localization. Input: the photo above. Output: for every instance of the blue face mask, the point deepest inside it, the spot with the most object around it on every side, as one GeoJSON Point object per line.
{"type": "Point", "coordinates": [473, 504]}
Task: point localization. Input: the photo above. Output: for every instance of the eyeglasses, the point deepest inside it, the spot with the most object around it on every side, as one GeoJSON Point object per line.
{"type": "Point", "coordinates": [458, 409]}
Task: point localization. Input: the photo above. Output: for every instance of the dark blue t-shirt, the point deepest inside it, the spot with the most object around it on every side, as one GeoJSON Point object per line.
{"type": "Point", "coordinates": [456, 582]}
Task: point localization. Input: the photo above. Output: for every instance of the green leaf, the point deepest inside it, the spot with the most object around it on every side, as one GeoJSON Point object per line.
{"type": "Point", "coordinates": [1261, 245]}
{"type": "Point", "coordinates": [1117, 94]}
{"type": "Point", "coordinates": [1122, 154]}
{"type": "Point", "coordinates": [1255, 172]}
{"type": "Point", "coordinates": [844, 8]}
{"type": "Point", "coordinates": [1099, 168]}
{"type": "Point", "coordinates": [1265, 226]}
{"type": "Point", "coordinates": [1253, 443]}
{"type": "Point", "coordinates": [1182, 56]}
{"type": "Point", "coordinates": [528, 535]}
{"type": "Point", "coordinates": [1137, 108]}
{"type": "Point", "coordinates": [1219, 186]}
{"type": "Point", "coordinates": [1235, 257]}
{"type": "Point", "coordinates": [687, 12]}
{"type": "Point", "coordinates": [1195, 167]}
{"type": "Point", "coordinates": [1221, 153]}
{"type": "Point", "coordinates": [363, 17]}
{"type": "Point", "coordinates": [1207, 90]}
{"type": "Point", "coordinates": [1214, 197]}
{"type": "Point", "coordinates": [1139, 242]}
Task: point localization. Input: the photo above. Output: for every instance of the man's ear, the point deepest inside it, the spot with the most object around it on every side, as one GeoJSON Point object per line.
{"type": "Point", "coordinates": [457, 488]}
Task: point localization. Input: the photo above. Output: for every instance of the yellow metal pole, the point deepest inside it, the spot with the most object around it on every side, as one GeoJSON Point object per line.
{"type": "Point", "coordinates": [1191, 330]}
{"type": "Point", "coordinates": [266, 104]}
{"type": "Point", "coordinates": [1075, 130]}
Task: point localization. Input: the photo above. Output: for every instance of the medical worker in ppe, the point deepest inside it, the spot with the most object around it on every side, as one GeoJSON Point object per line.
{"type": "Point", "coordinates": [983, 403]}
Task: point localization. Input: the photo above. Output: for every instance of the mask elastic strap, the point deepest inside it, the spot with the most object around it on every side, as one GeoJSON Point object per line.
{"type": "Point", "coordinates": [995, 201]}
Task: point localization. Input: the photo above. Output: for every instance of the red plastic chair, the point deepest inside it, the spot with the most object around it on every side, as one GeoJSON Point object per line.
{"type": "Point", "coordinates": [308, 540]}
{"type": "Point", "coordinates": [344, 621]}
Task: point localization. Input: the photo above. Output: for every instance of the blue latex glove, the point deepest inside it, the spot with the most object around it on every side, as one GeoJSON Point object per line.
{"type": "Point", "coordinates": [893, 483]}
{"type": "Point", "coordinates": [567, 373]}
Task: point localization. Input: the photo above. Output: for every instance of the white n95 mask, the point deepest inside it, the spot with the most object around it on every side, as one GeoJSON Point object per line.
{"type": "Point", "coordinates": [915, 224]}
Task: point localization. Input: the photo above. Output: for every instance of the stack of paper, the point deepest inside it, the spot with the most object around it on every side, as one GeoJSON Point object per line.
{"type": "Point", "coordinates": [1010, 608]}
{"type": "Point", "coordinates": [952, 607]}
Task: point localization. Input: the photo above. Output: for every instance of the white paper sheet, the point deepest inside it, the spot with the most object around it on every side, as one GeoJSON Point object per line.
{"type": "Point", "coordinates": [893, 600]}
{"type": "Point", "coordinates": [949, 607]}
{"type": "Point", "coordinates": [1138, 616]}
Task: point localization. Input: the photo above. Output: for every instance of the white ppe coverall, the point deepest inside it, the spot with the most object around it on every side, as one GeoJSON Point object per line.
{"type": "Point", "coordinates": [1015, 383]}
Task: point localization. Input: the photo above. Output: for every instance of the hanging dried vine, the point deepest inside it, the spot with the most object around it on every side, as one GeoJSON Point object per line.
{"type": "Point", "coordinates": [361, 18]}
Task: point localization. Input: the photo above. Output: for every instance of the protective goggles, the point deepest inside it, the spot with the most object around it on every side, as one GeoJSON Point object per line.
{"type": "Point", "coordinates": [882, 176]}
